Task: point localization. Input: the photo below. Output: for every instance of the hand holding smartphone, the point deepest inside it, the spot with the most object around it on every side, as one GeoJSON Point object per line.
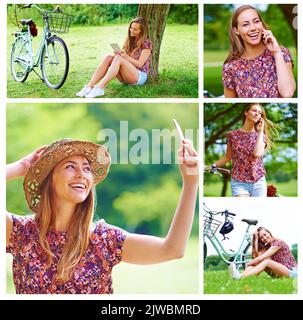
{"type": "Point", "coordinates": [115, 47]}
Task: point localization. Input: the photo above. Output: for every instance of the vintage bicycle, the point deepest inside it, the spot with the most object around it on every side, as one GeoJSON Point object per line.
{"type": "Point", "coordinates": [52, 54]}
{"type": "Point", "coordinates": [210, 234]}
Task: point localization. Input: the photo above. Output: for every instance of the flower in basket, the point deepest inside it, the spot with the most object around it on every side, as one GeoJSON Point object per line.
{"type": "Point", "coordinates": [272, 191]}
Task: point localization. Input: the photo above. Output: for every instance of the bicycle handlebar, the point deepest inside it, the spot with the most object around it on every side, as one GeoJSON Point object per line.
{"type": "Point", "coordinates": [25, 6]}
{"type": "Point", "coordinates": [223, 170]}
{"type": "Point", "coordinates": [214, 213]}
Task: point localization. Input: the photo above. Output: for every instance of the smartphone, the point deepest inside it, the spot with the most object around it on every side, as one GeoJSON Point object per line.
{"type": "Point", "coordinates": [179, 130]}
{"type": "Point", "coordinates": [115, 47]}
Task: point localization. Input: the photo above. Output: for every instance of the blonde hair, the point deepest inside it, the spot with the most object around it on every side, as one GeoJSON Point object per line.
{"type": "Point", "coordinates": [131, 44]}
{"type": "Point", "coordinates": [271, 132]}
{"type": "Point", "coordinates": [237, 47]}
{"type": "Point", "coordinates": [78, 233]}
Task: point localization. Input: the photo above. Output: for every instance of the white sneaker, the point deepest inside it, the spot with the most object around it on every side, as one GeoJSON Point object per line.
{"type": "Point", "coordinates": [95, 92]}
{"type": "Point", "coordinates": [233, 271]}
{"type": "Point", "coordinates": [84, 91]}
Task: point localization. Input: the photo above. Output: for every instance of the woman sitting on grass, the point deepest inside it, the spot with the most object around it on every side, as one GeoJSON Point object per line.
{"type": "Point", "coordinates": [130, 65]}
{"type": "Point", "coordinates": [269, 254]}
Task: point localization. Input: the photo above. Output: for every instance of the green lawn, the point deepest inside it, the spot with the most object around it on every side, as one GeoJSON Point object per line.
{"type": "Point", "coordinates": [174, 277]}
{"type": "Point", "coordinates": [212, 74]}
{"type": "Point", "coordinates": [287, 189]}
{"type": "Point", "coordinates": [178, 65]}
{"type": "Point", "coordinates": [219, 282]}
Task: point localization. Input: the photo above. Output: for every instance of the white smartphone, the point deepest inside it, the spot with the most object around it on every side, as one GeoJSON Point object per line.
{"type": "Point", "coordinates": [179, 130]}
{"type": "Point", "coordinates": [115, 47]}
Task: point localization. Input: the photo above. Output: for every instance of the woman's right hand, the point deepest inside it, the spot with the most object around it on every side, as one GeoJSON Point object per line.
{"type": "Point", "coordinates": [27, 161]}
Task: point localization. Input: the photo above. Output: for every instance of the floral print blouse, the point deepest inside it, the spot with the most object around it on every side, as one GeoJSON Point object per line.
{"type": "Point", "coordinates": [93, 274]}
{"type": "Point", "coordinates": [283, 255]}
{"type": "Point", "coordinates": [254, 78]}
{"type": "Point", "coordinates": [245, 166]}
{"type": "Point", "coordinates": [136, 55]}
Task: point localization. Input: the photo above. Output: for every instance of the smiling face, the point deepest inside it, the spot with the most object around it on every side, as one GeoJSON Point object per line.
{"type": "Point", "coordinates": [72, 179]}
{"type": "Point", "coordinates": [249, 27]}
{"type": "Point", "coordinates": [135, 29]}
{"type": "Point", "coordinates": [254, 114]}
{"type": "Point", "coordinates": [265, 237]}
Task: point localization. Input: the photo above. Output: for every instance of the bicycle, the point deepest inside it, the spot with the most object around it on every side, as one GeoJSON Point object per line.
{"type": "Point", "coordinates": [210, 227]}
{"type": "Point", "coordinates": [52, 54]}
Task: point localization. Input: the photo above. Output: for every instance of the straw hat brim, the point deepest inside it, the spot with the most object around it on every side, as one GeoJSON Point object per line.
{"type": "Point", "coordinates": [96, 154]}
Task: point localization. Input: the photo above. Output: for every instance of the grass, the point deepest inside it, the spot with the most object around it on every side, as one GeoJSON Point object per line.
{"type": "Point", "coordinates": [212, 74]}
{"type": "Point", "coordinates": [219, 282]}
{"type": "Point", "coordinates": [287, 189]}
{"type": "Point", "coordinates": [174, 277]}
{"type": "Point", "coordinates": [178, 66]}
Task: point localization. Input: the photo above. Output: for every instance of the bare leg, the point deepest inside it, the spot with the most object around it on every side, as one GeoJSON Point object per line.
{"type": "Point", "coordinates": [101, 70]}
{"type": "Point", "coordinates": [276, 268]}
{"type": "Point", "coordinates": [120, 65]}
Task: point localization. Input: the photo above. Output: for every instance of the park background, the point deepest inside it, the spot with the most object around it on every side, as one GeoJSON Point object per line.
{"type": "Point", "coordinates": [95, 27]}
{"type": "Point", "coordinates": [281, 162]}
{"type": "Point", "coordinates": [281, 218]}
{"type": "Point", "coordinates": [139, 198]}
{"type": "Point", "coordinates": [280, 19]}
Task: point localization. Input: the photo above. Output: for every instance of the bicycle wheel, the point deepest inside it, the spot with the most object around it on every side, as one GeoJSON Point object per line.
{"type": "Point", "coordinates": [19, 60]}
{"type": "Point", "coordinates": [54, 62]}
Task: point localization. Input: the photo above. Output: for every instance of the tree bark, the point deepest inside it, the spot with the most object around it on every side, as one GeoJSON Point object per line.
{"type": "Point", "coordinates": [156, 16]}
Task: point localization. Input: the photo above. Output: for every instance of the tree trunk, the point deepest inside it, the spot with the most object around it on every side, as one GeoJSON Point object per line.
{"type": "Point", "coordinates": [155, 15]}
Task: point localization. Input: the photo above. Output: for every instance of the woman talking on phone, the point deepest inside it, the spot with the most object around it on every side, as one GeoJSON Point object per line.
{"type": "Point", "coordinates": [58, 250]}
{"type": "Point", "coordinates": [257, 66]}
{"type": "Point", "coordinates": [130, 65]}
{"type": "Point", "coordinates": [245, 148]}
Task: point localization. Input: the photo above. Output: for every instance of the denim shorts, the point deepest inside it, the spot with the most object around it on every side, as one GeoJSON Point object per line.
{"type": "Point", "coordinates": [253, 189]}
{"type": "Point", "coordinates": [141, 80]}
{"type": "Point", "coordinates": [293, 273]}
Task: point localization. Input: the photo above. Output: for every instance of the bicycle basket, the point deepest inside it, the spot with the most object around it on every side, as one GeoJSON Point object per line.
{"type": "Point", "coordinates": [210, 226]}
{"type": "Point", "coordinates": [59, 22]}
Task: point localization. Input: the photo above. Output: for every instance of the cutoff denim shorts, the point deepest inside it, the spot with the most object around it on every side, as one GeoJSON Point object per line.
{"type": "Point", "coordinates": [293, 273]}
{"type": "Point", "coordinates": [253, 189]}
{"type": "Point", "coordinates": [141, 80]}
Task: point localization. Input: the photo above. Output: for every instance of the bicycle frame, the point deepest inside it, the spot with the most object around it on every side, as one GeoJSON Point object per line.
{"type": "Point", "coordinates": [35, 59]}
{"type": "Point", "coordinates": [238, 257]}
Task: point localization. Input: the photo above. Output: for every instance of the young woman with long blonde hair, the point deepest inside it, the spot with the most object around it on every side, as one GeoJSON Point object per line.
{"type": "Point", "coordinates": [130, 65]}
{"type": "Point", "coordinates": [245, 148]}
{"type": "Point", "coordinates": [256, 66]}
{"type": "Point", "coordinates": [58, 249]}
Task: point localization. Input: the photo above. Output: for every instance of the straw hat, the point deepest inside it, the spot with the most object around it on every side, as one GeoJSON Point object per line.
{"type": "Point", "coordinates": [96, 154]}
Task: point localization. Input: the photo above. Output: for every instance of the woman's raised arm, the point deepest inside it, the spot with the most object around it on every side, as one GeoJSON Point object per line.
{"type": "Point", "coordinates": [143, 249]}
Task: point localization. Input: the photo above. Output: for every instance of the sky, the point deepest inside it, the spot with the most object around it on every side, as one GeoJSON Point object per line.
{"type": "Point", "coordinates": [278, 215]}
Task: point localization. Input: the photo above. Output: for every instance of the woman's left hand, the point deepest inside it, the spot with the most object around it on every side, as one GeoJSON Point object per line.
{"type": "Point", "coordinates": [259, 127]}
{"type": "Point", "coordinates": [270, 41]}
{"type": "Point", "coordinates": [188, 161]}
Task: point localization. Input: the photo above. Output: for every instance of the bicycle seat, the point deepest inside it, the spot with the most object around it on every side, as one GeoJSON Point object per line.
{"type": "Point", "coordinates": [26, 22]}
{"type": "Point", "coordinates": [250, 222]}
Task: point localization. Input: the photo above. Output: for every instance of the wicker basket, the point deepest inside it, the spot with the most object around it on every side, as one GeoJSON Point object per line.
{"type": "Point", "coordinates": [59, 22]}
{"type": "Point", "coordinates": [210, 226]}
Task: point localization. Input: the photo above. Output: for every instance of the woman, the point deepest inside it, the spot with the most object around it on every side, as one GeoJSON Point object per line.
{"type": "Point", "coordinates": [130, 65]}
{"type": "Point", "coordinates": [257, 66]}
{"type": "Point", "coordinates": [58, 250]}
{"type": "Point", "coordinates": [269, 254]}
{"type": "Point", "coordinates": [246, 147]}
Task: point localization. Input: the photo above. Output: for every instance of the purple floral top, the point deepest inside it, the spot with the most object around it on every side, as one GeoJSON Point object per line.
{"type": "Point", "coordinates": [92, 274]}
{"type": "Point", "coordinates": [283, 255]}
{"type": "Point", "coordinates": [254, 78]}
{"type": "Point", "coordinates": [136, 55]}
{"type": "Point", "coordinates": [246, 167]}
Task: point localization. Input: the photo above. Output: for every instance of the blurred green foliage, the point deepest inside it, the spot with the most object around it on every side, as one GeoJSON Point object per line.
{"type": "Point", "coordinates": [140, 198]}
{"type": "Point", "coordinates": [100, 14]}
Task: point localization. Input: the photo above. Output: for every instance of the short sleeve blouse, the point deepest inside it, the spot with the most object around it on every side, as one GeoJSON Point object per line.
{"type": "Point", "coordinates": [283, 255]}
{"type": "Point", "coordinates": [92, 275]}
{"type": "Point", "coordinates": [254, 78]}
{"type": "Point", "coordinates": [136, 55]}
{"type": "Point", "coordinates": [245, 166]}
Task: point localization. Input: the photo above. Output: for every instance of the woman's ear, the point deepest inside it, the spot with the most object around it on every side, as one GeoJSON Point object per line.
{"type": "Point", "coordinates": [235, 30]}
